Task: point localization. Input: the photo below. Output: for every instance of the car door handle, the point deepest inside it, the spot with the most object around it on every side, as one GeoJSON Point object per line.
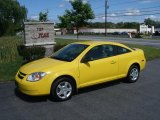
{"type": "Point", "coordinates": [113, 62]}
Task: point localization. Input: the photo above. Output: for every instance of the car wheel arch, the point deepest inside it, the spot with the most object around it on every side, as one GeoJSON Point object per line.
{"type": "Point", "coordinates": [137, 64]}
{"type": "Point", "coordinates": [134, 78]}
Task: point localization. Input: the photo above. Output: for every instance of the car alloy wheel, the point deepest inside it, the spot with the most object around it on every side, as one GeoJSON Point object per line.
{"type": "Point", "coordinates": [64, 90]}
{"type": "Point", "coordinates": [133, 74]}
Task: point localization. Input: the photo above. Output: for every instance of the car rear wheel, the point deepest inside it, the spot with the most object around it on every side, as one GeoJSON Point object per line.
{"type": "Point", "coordinates": [133, 74]}
{"type": "Point", "coordinates": [62, 89]}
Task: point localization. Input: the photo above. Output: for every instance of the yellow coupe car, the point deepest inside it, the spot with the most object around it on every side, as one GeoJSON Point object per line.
{"type": "Point", "coordinates": [78, 65]}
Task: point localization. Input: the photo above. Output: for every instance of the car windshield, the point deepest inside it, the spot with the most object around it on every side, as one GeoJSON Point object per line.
{"type": "Point", "coordinates": [69, 52]}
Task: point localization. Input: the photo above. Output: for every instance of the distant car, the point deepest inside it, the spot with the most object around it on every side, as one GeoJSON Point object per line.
{"type": "Point", "coordinates": [116, 33]}
{"type": "Point", "coordinates": [124, 33]}
{"type": "Point", "coordinates": [79, 65]}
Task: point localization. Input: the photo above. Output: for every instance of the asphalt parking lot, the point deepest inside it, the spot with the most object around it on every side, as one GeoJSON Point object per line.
{"type": "Point", "coordinates": [116, 100]}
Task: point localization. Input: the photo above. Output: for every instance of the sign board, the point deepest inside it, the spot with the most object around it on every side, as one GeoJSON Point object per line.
{"type": "Point", "coordinates": [39, 33]}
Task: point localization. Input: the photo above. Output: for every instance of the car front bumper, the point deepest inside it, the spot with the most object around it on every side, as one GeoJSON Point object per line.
{"type": "Point", "coordinates": [38, 88]}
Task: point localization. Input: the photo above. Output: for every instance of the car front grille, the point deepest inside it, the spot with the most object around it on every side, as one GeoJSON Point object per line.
{"type": "Point", "coordinates": [21, 75]}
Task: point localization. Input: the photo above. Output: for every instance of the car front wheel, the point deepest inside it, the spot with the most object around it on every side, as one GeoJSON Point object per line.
{"type": "Point", "coordinates": [62, 89]}
{"type": "Point", "coordinates": [133, 74]}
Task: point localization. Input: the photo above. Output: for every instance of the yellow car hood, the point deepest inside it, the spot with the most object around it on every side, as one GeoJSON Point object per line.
{"type": "Point", "coordinates": [40, 65]}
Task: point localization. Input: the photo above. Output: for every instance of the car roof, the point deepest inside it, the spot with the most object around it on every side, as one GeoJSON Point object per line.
{"type": "Point", "coordinates": [95, 43]}
{"type": "Point", "coordinates": [98, 43]}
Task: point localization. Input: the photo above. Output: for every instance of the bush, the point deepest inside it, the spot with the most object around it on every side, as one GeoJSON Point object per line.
{"type": "Point", "coordinates": [8, 48]}
{"type": "Point", "coordinates": [58, 47]}
{"type": "Point", "coordinates": [157, 33]}
{"type": "Point", "coordinates": [32, 52]}
{"type": "Point", "coordinates": [138, 35]}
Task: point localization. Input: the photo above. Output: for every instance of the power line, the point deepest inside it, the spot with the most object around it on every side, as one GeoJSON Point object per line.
{"type": "Point", "coordinates": [131, 12]}
{"type": "Point", "coordinates": [138, 8]}
{"type": "Point", "coordinates": [131, 15]}
{"type": "Point", "coordinates": [136, 15]}
{"type": "Point", "coordinates": [120, 3]}
{"type": "Point", "coordinates": [138, 11]}
{"type": "Point", "coordinates": [117, 4]}
{"type": "Point", "coordinates": [99, 7]}
{"type": "Point", "coordinates": [127, 11]}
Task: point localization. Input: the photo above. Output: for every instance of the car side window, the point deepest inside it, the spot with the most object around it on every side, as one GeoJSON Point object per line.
{"type": "Point", "coordinates": [110, 50]}
{"type": "Point", "coordinates": [95, 53]}
{"type": "Point", "coordinates": [122, 50]}
{"type": "Point", "coordinates": [101, 51]}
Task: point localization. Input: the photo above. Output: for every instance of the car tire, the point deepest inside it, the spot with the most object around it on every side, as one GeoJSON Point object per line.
{"type": "Point", "coordinates": [62, 89]}
{"type": "Point", "coordinates": [133, 74]}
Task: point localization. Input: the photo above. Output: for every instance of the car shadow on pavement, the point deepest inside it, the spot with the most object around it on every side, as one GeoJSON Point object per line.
{"type": "Point", "coordinates": [31, 99]}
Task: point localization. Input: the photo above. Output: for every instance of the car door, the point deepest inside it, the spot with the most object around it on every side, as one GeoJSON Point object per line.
{"type": "Point", "coordinates": [125, 57]}
{"type": "Point", "coordinates": [102, 65]}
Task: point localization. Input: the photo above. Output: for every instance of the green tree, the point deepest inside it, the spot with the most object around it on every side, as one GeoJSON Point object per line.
{"type": "Point", "coordinates": [43, 16]}
{"type": "Point", "coordinates": [12, 16]}
{"type": "Point", "coordinates": [78, 16]}
{"type": "Point", "coordinates": [151, 22]}
{"type": "Point", "coordinates": [133, 25]}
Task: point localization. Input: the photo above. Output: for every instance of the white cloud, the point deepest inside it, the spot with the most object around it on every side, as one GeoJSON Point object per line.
{"type": "Point", "coordinates": [68, 0]}
{"type": "Point", "coordinates": [102, 18]}
{"type": "Point", "coordinates": [112, 19]}
{"type": "Point", "coordinates": [34, 17]}
{"type": "Point", "coordinates": [147, 1]}
{"type": "Point", "coordinates": [61, 5]}
{"type": "Point", "coordinates": [131, 12]}
{"type": "Point", "coordinates": [113, 15]}
{"type": "Point", "coordinates": [153, 17]}
{"type": "Point", "coordinates": [84, 1]}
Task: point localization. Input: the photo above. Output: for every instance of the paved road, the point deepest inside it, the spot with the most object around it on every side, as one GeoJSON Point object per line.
{"type": "Point", "coordinates": [112, 101]}
{"type": "Point", "coordinates": [148, 42]}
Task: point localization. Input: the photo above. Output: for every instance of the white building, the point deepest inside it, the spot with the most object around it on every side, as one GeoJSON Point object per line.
{"type": "Point", "coordinates": [60, 31]}
{"type": "Point", "coordinates": [102, 30]}
{"type": "Point", "coordinates": [145, 29]}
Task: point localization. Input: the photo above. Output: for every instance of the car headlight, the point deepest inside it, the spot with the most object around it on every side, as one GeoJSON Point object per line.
{"type": "Point", "coordinates": [36, 76]}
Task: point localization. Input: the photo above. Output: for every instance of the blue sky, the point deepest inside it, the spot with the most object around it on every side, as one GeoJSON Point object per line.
{"type": "Point", "coordinates": [119, 10]}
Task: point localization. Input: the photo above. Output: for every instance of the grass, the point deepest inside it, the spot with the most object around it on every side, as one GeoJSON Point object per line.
{"type": "Point", "coordinates": [150, 52]}
{"type": "Point", "coordinates": [12, 61]}
{"type": "Point", "coordinates": [8, 48]}
{"type": "Point", "coordinates": [8, 70]}
{"type": "Point", "coordinates": [152, 39]}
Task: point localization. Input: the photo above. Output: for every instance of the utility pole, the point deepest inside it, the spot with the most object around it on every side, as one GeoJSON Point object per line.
{"type": "Point", "coordinates": [106, 7]}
